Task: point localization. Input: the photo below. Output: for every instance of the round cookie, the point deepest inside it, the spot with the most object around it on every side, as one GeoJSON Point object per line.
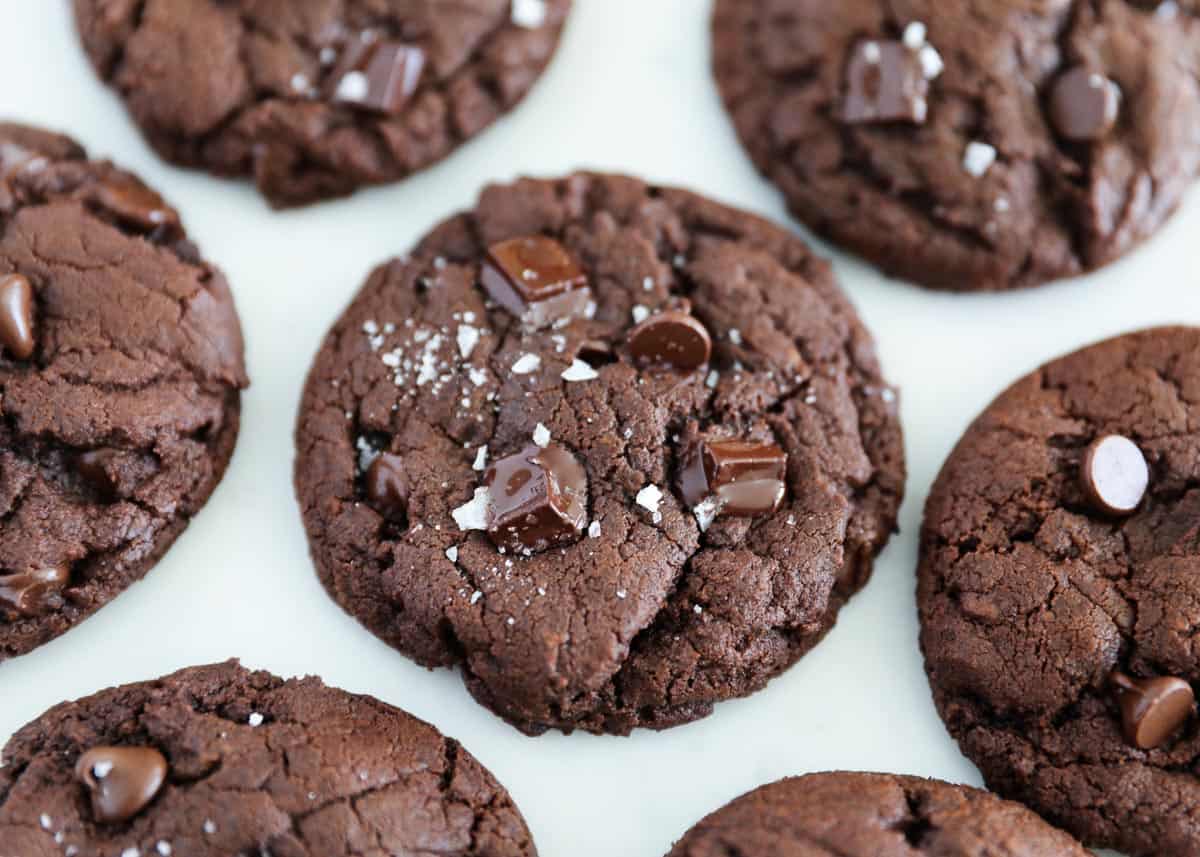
{"type": "Point", "coordinates": [616, 451]}
{"type": "Point", "coordinates": [217, 760]}
{"type": "Point", "coordinates": [120, 376]}
{"type": "Point", "coordinates": [872, 815]}
{"type": "Point", "coordinates": [969, 145]}
{"type": "Point", "coordinates": [319, 98]}
{"type": "Point", "coordinates": [1058, 592]}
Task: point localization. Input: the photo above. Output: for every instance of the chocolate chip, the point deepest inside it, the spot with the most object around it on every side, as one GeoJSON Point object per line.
{"type": "Point", "coordinates": [674, 339]}
{"type": "Point", "coordinates": [886, 81]}
{"type": "Point", "coordinates": [33, 593]}
{"type": "Point", "coordinates": [536, 279]}
{"type": "Point", "coordinates": [1114, 475]}
{"type": "Point", "coordinates": [733, 478]}
{"type": "Point", "coordinates": [1084, 104]}
{"type": "Point", "coordinates": [538, 499]}
{"type": "Point", "coordinates": [1152, 709]}
{"type": "Point", "coordinates": [16, 316]}
{"type": "Point", "coordinates": [122, 780]}
{"type": "Point", "coordinates": [377, 75]}
{"type": "Point", "coordinates": [596, 353]}
{"type": "Point", "coordinates": [387, 486]}
{"type": "Point", "coordinates": [95, 468]}
{"type": "Point", "coordinates": [132, 204]}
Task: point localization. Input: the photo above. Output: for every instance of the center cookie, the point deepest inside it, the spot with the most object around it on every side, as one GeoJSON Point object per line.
{"type": "Point", "coordinates": [616, 451]}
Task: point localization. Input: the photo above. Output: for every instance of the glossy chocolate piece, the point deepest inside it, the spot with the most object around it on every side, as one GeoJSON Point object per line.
{"type": "Point", "coordinates": [1114, 475]}
{"type": "Point", "coordinates": [538, 499]}
{"type": "Point", "coordinates": [674, 339]}
{"type": "Point", "coordinates": [1152, 709]}
{"type": "Point", "coordinates": [94, 466]}
{"type": "Point", "coordinates": [885, 82]}
{"type": "Point", "coordinates": [1084, 105]}
{"type": "Point", "coordinates": [33, 593]}
{"type": "Point", "coordinates": [16, 316]}
{"type": "Point", "coordinates": [387, 486]}
{"type": "Point", "coordinates": [380, 76]}
{"type": "Point", "coordinates": [741, 479]}
{"type": "Point", "coordinates": [536, 279]}
{"type": "Point", "coordinates": [131, 203]}
{"type": "Point", "coordinates": [121, 780]}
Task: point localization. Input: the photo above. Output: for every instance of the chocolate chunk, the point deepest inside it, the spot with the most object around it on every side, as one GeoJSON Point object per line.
{"type": "Point", "coordinates": [387, 486]}
{"type": "Point", "coordinates": [734, 478]}
{"type": "Point", "coordinates": [94, 466]}
{"type": "Point", "coordinates": [378, 76]}
{"type": "Point", "coordinates": [132, 204]}
{"type": "Point", "coordinates": [885, 82]}
{"type": "Point", "coordinates": [537, 280]}
{"type": "Point", "coordinates": [1114, 475]}
{"type": "Point", "coordinates": [33, 593]}
{"type": "Point", "coordinates": [596, 353]}
{"type": "Point", "coordinates": [122, 780]}
{"type": "Point", "coordinates": [1084, 104]}
{"type": "Point", "coordinates": [538, 498]}
{"type": "Point", "coordinates": [1152, 709]}
{"type": "Point", "coordinates": [674, 339]}
{"type": "Point", "coordinates": [16, 316]}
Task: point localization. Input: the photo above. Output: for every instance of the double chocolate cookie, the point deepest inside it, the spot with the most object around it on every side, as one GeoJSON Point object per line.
{"type": "Point", "coordinates": [1060, 592]}
{"type": "Point", "coordinates": [969, 144]}
{"type": "Point", "coordinates": [216, 761]}
{"type": "Point", "coordinates": [317, 98]}
{"type": "Point", "coordinates": [616, 451]}
{"type": "Point", "coordinates": [120, 377]}
{"type": "Point", "coordinates": [873, 815]}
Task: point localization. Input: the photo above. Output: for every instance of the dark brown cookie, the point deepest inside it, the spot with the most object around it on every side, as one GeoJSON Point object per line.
{"type": "Point", "coordinates": [315, 99]}
{"type": "Point", "coordinates": [969, 144]}
{"type": "Point", "coordinates": [873, 815]}
{"type": "Point", "coordinates": [1059, 592]}
{"type": "Point", "coordinates": [218, 761]}
{"type": "Point", "coordinates": [120, 371]}
{"type": "Point", "coordinates": [594, 600]}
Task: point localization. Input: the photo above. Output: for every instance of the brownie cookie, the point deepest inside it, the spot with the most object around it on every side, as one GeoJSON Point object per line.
{"type": "Point", "coordinates": [873, 815]}
{"type": "Point", "coordinates": [969, 144]}
{"type": "Point", "coordinates": [120, 371]}
{"type": "Point", "coordinates": [616, 451]}
{"type": "Point", "coordinates": [315, 99]}
{"type": "Point", "coordinates": [1059, 592]}
{"type": "Point", "coordinates": [218, 761]}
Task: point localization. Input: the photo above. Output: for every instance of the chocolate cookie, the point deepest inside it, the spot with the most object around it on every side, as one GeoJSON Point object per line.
{"type": "Point", "coordinates": [1059, 592]}
{"type": "Point", "coordinates": [616, 451]}
{"type": "Point", "coordinates": [216, 761]}
{"type": "Point", "coordinates": [317, 98]}
{"type": "Point", "coordinates": [120, 371]}
{"type": "Point", "coordinates": [969, 144]}
{"type": "Point", "coordinates": [872, 815]}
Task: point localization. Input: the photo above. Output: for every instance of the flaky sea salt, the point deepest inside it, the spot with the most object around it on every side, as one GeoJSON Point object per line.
{"type": "Point", "coordinates": [468, 338]}
{"type": "Point", "coordinates": [978, 158]}
{"type": "Point", "coordinates": [649, 498]}
{"type": "Point", "coordinates": [473, 515]}
{"type": "Point", "coordinates": [256, 719]}
{"type": "Point", "coordinates": [594, 530]}
{"type": "Point", "coordinates": [580, 371]}
{"type": "Point", "coordinates": [452, 553]}
{"type": "Point", "coordinates": [541, 436]}
{"type": "Point", "coordinates": [529, 14]}
{"type": "Point", "coordinates": [481, 457]}
{"type": "Point", "coordinates": [526, 363]}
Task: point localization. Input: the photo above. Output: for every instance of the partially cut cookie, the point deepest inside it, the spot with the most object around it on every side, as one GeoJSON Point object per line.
{"type": "Point", "coordinates": [121, 373]}
{"type": "Point", "coordinates": [217, 761]}
{"type": "Point", "coordinates": [315, 99]}
{"type": "Point", "coordinates": [969, 145]}
{"type": "Point", "coordinates": [1059, 592]}
{"type": "Point", "coordinates": [614, 450]}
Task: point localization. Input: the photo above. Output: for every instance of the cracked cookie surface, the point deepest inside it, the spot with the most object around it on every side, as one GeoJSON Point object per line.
{"type": "Point", "coordinates": [120, 421]}
{"type": "Point", "coordinates": [644, 621]}
{"type": "Point", "coordinates": [258, 87]}
{"type": "Point", "coordinates": [255, 765]}
{"type": "Point", "coordinates": [984, 192]}
{"type": "Point", "coordinates": [872, 815]}
{"type": "Point", "coordinates": [1030, 599]}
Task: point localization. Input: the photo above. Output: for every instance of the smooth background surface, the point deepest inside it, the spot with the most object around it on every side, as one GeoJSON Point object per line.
{"type": "Point", "coordinates": [629, 91]}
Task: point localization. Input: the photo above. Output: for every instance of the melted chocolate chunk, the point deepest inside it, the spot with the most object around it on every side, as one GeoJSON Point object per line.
{"type": "Point", "coordinates": [33, 593]}
{"type": "Point", "coordinates": [536, 279]}
{"type": "Point", "coordinates": [674, 339]}
{"type": "Point", "coordinates": [743, 479]}
{"type": "Point", "coordinates": [1152, 709]}
{"type": "Point", "coordinates": [16, 316]}
{"type": "Point", "coordinates": [1084, 104]}
{"type": "Point", "coordinates": [122, 780]}
{"type": "Point", "coordinates": [538, 499]}
{"type": "Point", "coordinates": [387, 486]}
{"type": "Point", "coordinates": [379, 76]}
{"type": "Point", "coordinates": [95, 468]}
{"type": "Point", "coordinates": [132, 204]}
{"type": "Point", "coordinates": [885, 82]}
{"type": "Point", "coordinates": [1115, 475]}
